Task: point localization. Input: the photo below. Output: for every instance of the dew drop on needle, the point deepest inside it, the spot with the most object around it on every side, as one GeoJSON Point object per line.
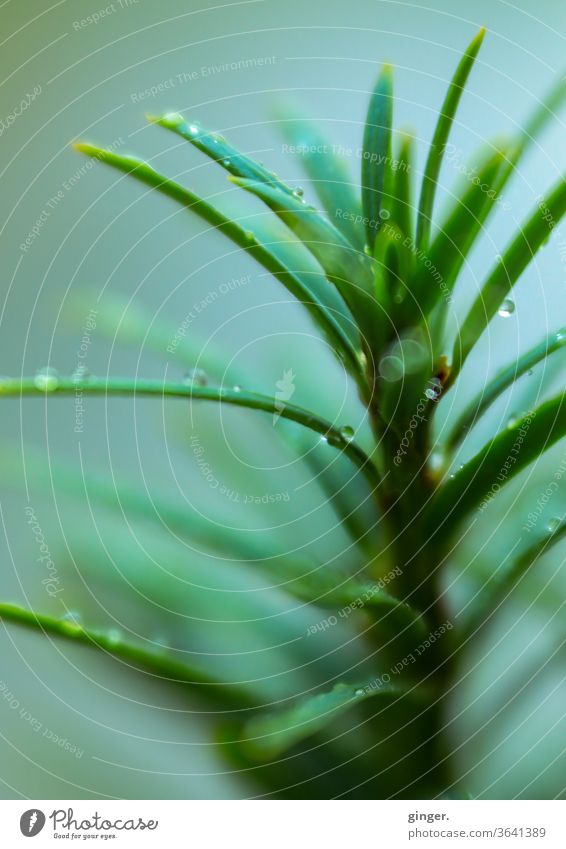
{"type": "Point", "coordinates": [507, 308]}
{"type": "Point", "coordinates": [196, 377]}
{"type": "Point", "coordinates": [47, 380]}
{"type": "Point", "coordinates": [114, 636]}
{"type": "Point", "coordinates": [347, 433]}
{"type": "Point", "coordinates": [71, 622]}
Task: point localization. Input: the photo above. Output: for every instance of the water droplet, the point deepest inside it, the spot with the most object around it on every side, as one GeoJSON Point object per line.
{"type": "Point", "coordinates": [71, 621]}
{"type": "Point", "coordinates": [398, 297]}
{"type": "Point", "coordinates": [512, 421]}
{"type": "Point", "coordinates": [237, 388]}
{"type": "Point", "coordinates": [226, 162]}
{"type": "Point", "coordinates": [359, 692]}
{"type": "Point", "coordinates": [47, 380]}
{"type": "Point", "coordinates": [334, 439]}
{"type": "Point", "coordinates": [174, 117]}
{"type": "Point", "coordinates": [560, 336]}
{"type": "Point", "coordinates": [194, 129]}
{"type": "Point", "coordinates": [498, 258]}
{"type": "Point", "coordinates": [114, 636]}
{"type": "Point", "coordinates": [347, 433]}
{"type": "Point", "coordinates": [434, 389]}
{"type": "Point", "coordinates": [553, 525]}
{"type": "Point", "coordinates": [507, 308]}
{"type": "Point", "coordinates": [437, 461]}
{"type": "Point", "coordinates": [530, 372]}
{"type": "Point", "coordinates": [249, 236]}
{"type": "Point", "coordinates": [384, 214]}
{"type": "Point", "coordinates": [323, 437]}
{"type": "Point", "coordinates": [391, 368]}
{"type": "Point", "coordinates": [406, 356]}
{"type": "Point", "coordinates": [298, 192]}
{"type": "Point", "coordinates": [161, 641]}
{"type": "Point", "coordinates": [196, 377]}
{"type": "Point", "coordinates": [71, 616]}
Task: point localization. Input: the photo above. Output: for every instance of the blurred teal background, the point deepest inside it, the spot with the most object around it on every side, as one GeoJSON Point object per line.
{"type": "Point", "coordinates": [106, 245]}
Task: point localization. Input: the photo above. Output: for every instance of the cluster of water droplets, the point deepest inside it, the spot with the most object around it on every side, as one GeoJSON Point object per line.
{"type": "Point", "coordinates": [71, 623]}
{"type": "Point", "coordinates": [197, 377]}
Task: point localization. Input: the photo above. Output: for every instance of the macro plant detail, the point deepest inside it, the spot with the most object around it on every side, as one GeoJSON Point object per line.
{"type": "Point", "coordinates": [386, 268]}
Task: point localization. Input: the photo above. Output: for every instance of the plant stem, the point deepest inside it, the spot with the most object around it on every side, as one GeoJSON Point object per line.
{"type": "Point", "coordinates": [157, 662]}
{"type": "Point", "coordinates": [239, 398]}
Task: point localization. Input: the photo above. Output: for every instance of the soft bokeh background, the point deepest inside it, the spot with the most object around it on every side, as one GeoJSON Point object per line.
{"type": "Point", "coordinates": [105, 244]}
